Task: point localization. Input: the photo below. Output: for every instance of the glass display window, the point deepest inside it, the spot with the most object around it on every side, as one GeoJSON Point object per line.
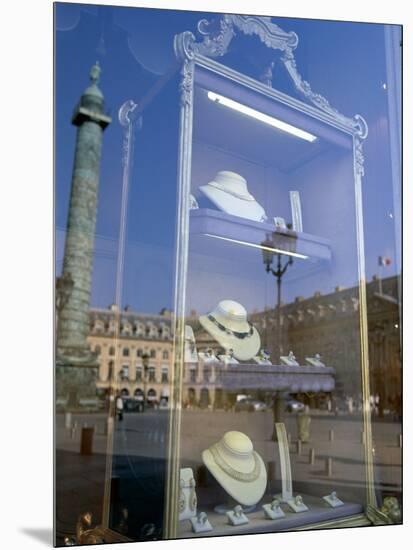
{"type": "Point", "coordinates": [248, 369]}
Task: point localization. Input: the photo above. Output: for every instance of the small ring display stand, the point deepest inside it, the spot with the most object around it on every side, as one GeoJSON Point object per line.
{"type": "Point", "coordinates": [237, 516]}
{"type": "Point", "coordinates": [333, 500]}
{"type": "Point", "coordinates": [273, 510]}
{"type": "Point", "coordinates": [200, 523]}
{"type": "Point", "coordinates": [297, 504]}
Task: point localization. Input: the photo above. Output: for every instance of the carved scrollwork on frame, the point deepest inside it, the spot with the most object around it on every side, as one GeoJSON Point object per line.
{"type": "Point", "coordinates": [129, 122]}
{"type": "Point", "coordinates": [215, 38]}
{"type": "Point", "coordinates": [216, 35]}
{"type": "Point", "coordinates": [185, 46]}
{"type": "Point", "coordinates": [125, 111]}
{"type": "Point", "coordinates": [359, 157]}
{"type": "Point", "coordinates": [357, 123]}
{"type": "Point", "coordinates": [186, 85]}
{"type": "Point", "coordinates": [269, 33]}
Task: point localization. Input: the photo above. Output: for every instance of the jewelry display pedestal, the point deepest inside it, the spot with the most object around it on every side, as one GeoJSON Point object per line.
{"type": "Point", "coordinates": [297, 505]}
{"type": "Point", "coordinates": [284, 452]}
{"type": "Point", "coordinates": [333, 500]}
{"type": "Point", "coordinates": [276, 377]}
{"type": "Point", "coordinates": [200, 523]}
{"type": "Point", "coordinates": [318, 511]}
{"type": "Point", "coordinates": [273, 510]}
{"type": "Point", "coordinates": [224, 508]}
{"type": "Point", "coordinates": [237, 516]}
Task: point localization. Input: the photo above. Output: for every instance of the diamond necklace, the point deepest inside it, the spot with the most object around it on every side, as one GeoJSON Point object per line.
{"type": "Point", "coordinates": [235, 474]}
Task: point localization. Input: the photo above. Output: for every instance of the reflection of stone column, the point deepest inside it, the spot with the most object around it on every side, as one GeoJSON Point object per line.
{"type": "Point", "coordinates": [77, 365]}
{"type": "Point", "coordinates": [73, 323]}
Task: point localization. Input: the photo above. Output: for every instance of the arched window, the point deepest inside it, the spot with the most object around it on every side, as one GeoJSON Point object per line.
{"type": "Point", "coordinates": [139, 353]}
{"type": "Point", "coordinates": [125, 352]}
{"type": "Point", "coordinates": [111, 350]}
{"type": "Point", "coordinates": [151, 394]}
{"type": "Point", "coordinates": [191, 396]}
{"type": "Point", "coordinates": [139, 394]}
{"type": "Point", "coordinates": [124, 392]}
{"type": "Point", "coordinates": [153, 353]}
{"type": "Point", "coordinates": [204, 398]}
{"type": "Point", "coordinates": [165, 354]}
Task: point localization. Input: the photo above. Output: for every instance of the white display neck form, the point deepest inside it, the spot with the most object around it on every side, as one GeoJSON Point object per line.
{"type": "Point", "coordinates": [233, 184]}
{"type": "Point", "coordinates": [222, 458]}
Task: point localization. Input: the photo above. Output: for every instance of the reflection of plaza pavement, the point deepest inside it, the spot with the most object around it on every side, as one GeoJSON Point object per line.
{"type": "Point", "coordinates": [80, 479]}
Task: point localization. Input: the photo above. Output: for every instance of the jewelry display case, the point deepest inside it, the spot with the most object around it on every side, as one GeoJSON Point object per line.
{"type": "Point", "coordinates": [249, 156]}
{"type": "Point", "coordinates": [243, 200]}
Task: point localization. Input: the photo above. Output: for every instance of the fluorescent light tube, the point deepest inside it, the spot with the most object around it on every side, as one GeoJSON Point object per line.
{"type": "Point", "coordinates": [260, 246]}
{"type": "Point", "coordinates": [274, 122]}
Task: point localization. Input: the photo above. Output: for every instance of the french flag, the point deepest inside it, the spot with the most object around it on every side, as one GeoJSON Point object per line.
{"type": "Point", "coordinates": [383, 260]}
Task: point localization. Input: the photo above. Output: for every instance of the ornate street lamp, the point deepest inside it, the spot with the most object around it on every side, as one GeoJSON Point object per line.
{"type": "Point", "coordinates": [268, 258]}
{"type": "Point", "coordinates": [268, 254]}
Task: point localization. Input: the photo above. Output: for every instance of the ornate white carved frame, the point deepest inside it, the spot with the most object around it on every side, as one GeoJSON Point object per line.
{"type": "Point", "coordinates": [215, 38]}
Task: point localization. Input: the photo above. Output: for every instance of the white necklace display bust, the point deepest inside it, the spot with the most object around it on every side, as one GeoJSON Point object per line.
{"type": "Point", "coordinates": [228, 191]}
{"type": "Point", "coordinates": [227, 323]}
{"type": "Point", "coordinates": [237, 467]}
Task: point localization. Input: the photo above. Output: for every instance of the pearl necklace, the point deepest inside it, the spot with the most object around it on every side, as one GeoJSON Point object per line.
{"type": "Point", "coordinates": [235, 474]}
{"type": "Point", "coordinates": [248, 197]}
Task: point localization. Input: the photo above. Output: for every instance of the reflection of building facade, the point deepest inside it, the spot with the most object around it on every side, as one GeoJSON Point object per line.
{"type": "Point", "coordinates": [120, 350]}
{"type": "Point", "coordinates": [327, 325]}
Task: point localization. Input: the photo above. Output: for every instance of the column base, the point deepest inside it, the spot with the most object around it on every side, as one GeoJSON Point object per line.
{"type": "Point", "coordinates": [76, 379]}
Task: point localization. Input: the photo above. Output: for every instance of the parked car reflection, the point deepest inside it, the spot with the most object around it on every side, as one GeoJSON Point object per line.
{"type": "Point", "coordinates": [249, 404]}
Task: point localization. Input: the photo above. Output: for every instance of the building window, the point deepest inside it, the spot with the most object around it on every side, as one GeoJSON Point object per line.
{"type": "Point", "coordinates": [110, 370]}
{"type": "Point", "coordinates": [98, 350]}
{"type": "Point", "coordinates": [164, 375]}
{"type": "Point", "coordinates": [138, 374]}
{"type": "Point", "coordinates": [151, 372]}
{"type": "Point", "coordinates": [111, 350]}
{"type": "Point", "coordinates": [192, 375]}
{"type": "Point", "coordinates": [139, 353]}
{"type": "Point", "coordinates": [153, 353]}
{"type": "Point", "coordinates": [151, 395]}
{"type": "Point", "coordinates": [125, 352]}
{"type": "Point", "coordinates": [124, 373]}
{"type": "Point", "coordinates": [165, 354]}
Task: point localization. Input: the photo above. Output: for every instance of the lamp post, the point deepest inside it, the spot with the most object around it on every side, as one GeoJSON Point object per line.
{"type": "Point", "coordinates": [145, 363]}
{"type": "Point", "coordinates": [268, 258]}
{"type": "Point", "coordinates": [268, 254]}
